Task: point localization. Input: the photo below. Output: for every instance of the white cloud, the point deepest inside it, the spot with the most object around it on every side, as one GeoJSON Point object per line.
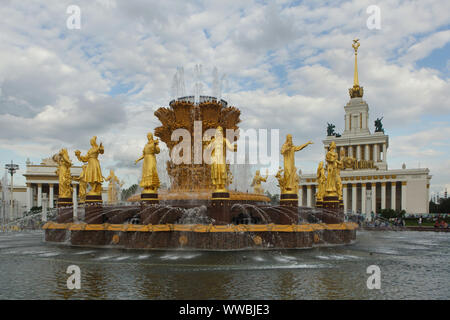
{"type": "Point", "coordinates": [289, 67]}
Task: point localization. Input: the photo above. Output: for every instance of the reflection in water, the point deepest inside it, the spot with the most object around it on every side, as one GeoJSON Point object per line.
{"type": "Point", "coordinates": [413, 265]}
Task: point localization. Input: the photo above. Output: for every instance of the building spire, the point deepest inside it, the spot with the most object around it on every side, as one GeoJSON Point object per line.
{"type": "Point", "coordinates": [356, 91]}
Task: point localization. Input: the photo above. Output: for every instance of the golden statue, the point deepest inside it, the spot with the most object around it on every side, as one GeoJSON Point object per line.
{"type": "Point", "coordinates": [256, 183]}
{"type": "Point", "coordinates": [347, 162]}
{"type": "Point", "coordinates": [82, 186]}
{"type": "Point", "coordinates": [114, 184]}
{"type": "Point", "coordinates": [93, 174]}
{"type": "Point", "coordinates": [150, 180]}
{"type": "Point", "coordinates": [63, 172]}
{"type": "Point", "coordinates": [321, 181]}
{"type": "Point", "coordinates": [332, 167]}
{"type": "Point", "coordinates": [290, 172]}
{"type": "Point", "coordinates": [339, 166]}
{"type": "Point", "coordinates": [218, 146]}
{"type": "Point", "coordinates": [281, 181]}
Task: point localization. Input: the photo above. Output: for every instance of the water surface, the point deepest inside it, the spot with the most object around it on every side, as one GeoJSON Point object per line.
{"type": "Point", "coordinates": [414, 265]}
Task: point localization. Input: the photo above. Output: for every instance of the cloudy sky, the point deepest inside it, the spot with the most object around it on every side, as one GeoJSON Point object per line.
{"type": "Point", "coordinates": [288, 65]}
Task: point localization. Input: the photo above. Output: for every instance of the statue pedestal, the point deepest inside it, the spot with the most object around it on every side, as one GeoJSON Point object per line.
{"type": "Point", "coordinates": [319, 204]}
{"type": "Point", "coordinates": [93, 213]}
{"type": "Point", "coordinates": [291, 216]}
{"type": "Point", "coordinates": [289, 199]}
{"type": "Point", "coordinates": [333, 210]}
{"type": "Point", "coordinates": [220, 208]}
{"type": "Point", "coordinates": [65, 210]}
{"type": "Point", "coordinates": [149, 198]}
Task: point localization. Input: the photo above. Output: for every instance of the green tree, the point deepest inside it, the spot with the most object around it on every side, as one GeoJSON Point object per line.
{"type": "Point", "coordinates": [391, 213]}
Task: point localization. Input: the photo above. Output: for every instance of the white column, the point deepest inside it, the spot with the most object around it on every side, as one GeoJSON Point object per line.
{"type": "Point", "coordinates": [308, 196]}
{"type": "Point", "coordinates": [358, 152]}
{"type": "Point", "coordinates": [75, 203]}
{"type": "Point", "coordinates": [374, 197]}
{"type": "Point", "coordinates": [393, 193]}
{"type": "Point", "coordinates": [350, 151]}
{"type": "Point", "coordinates": [367, 153]}
{"type": "Point", "coordinates": [363, 199]}
{"type": "Point", "coordinates": [383, 195]}
{"type": "Point", "coordinates": [384, 152]}
{"type": "Point", "coordinates": [300, 196]}
{"type": "Point", "coordinates": [29, 195]}
{"type": "Point", "coordinates": [39, 195]}
{"type": "Point", "coordinates": [44, 208]}
{"type": "Point", "coordinates": [354, 198]}
{"type": "Point", "coordinates": [403, 195]}
{"type": "Point", "coordinates": [344, 196]}
{"type": "Point", "coordinates": [51, 196]}
{"type": "Point", "coordinates": [376, 155]}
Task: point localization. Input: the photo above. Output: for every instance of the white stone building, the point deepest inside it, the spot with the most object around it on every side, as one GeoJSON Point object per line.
{"type": "Point", "coordinates": [42, 183]}
{"type": "Point", "coordinates": [369, 185]}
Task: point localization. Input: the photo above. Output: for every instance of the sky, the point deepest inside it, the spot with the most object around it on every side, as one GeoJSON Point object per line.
{"type": "Point", "coordinates": [288, 66]}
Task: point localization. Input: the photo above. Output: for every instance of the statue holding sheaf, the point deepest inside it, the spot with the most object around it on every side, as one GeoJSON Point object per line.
{"type": "Point", "coordinates": [218, 146]}
{"type": "Point", "coordinates": [150, 180]}
{"type": "Point", "coordinates": [63, 172]}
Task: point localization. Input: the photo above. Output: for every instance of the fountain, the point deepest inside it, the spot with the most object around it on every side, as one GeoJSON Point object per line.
{"type": "Point", "coordinates": [197, 211]}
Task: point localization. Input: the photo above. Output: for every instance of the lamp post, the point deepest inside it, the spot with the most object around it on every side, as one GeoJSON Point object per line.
{"type": "Point", "coordinates": [12, 168]}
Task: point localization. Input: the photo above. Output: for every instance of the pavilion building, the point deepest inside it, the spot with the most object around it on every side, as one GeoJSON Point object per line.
{"type": "Point", "coordinates": [368, 185]}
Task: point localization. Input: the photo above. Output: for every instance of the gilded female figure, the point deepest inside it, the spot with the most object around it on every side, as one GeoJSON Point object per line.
{"type": "Point", "coordinates": [332, 164]}
{"type": "Point", "coordinates": [290, 172]}
{"type": "Point", "coordinates": [218, 146]}
{"type": "Point", "coordinates": [150, 180]}
{"type": "Point", "coordinates": [114, 184]}
{"type": "Point", "coordinates": [256, 183]}
{"type": "Point", "coordinates": [321, 180]}
{"type": "Point", "coordinates": [93, 174]}
{"type": "Point", "coordinates": [63, 172]}
{"type": "Point", "coordinates": [82, 183]}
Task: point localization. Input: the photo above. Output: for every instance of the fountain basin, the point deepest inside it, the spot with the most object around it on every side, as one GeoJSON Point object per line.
{"type": "Point", "coordinates": [201, 237]}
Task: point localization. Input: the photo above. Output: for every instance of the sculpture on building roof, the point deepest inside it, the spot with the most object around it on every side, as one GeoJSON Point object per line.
{"type": "Point", "coordinates": [330, 130]}
{"type": "Point", "coordinates": [379, 125]}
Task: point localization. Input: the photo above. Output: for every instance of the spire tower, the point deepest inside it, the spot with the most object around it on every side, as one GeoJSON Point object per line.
{"type": "Point", "coordinates": [356, 91]}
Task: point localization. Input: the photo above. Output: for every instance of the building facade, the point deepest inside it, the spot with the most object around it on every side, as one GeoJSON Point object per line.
{"type": "Point", "coordinates": [368, 184]}
{"type": "Point", "coordinates": [42, 183]}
